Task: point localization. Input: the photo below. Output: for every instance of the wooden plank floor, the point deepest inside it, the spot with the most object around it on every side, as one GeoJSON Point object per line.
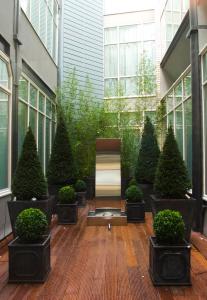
{"type": "Point", "coordinates": [92, 263]}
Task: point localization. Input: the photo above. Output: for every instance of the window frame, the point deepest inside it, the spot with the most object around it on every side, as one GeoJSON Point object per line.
{"type": "Point", "coordinates": [8, 91]}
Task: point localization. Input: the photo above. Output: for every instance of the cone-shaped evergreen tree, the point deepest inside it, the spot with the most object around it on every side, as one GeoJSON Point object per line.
{"type": "Point", "coordinates": [171, 180]}
{"type": "Point", "coordinates": [29, 180]}
{"type": "Point", "coordinates": [60, 165]}
{"type": "Point", "coordinates": [148, 155]}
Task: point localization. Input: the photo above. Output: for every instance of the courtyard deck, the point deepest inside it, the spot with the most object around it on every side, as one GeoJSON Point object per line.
{"type": "Point", "coordinates": [90, 262]}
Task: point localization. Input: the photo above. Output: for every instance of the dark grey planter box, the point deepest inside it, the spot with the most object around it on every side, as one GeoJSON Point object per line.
{"type": "Point", "coordinates": [15, 207]}
{"type": "Point", "coordinates": [169, 265]}
{"type": "Point", "coordinates": [185, 206]}
{"type": "Point", "coordinates": [135, 212]}
{"type": "Point", "coordinates": [29, 263]}
{"type": "Point", "coordinates": [67, 213]}
{"type": "Point", "coordinates": [81, 198]}
{"type": "Point", "coordinates": [147, 190]}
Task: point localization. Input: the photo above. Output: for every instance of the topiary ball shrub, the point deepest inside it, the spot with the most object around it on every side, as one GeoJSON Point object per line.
{"type": "Point", "coordinates": [169, 227]}
{"type": "Point", "coordinates": [132, 182]}
{"type": "Point", "coordinates": [171, 180]}
{"type": "Point", "coordinates": [133, 194]}
{"type": "Point", "coordinates": [31, 225]}
{"type": "Point", "coordinates": [80, 186]}
{"type": "Point", "coordinates": [66, 195]}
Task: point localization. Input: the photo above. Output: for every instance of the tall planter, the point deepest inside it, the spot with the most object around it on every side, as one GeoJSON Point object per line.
{"type": "Point", "coordinates": [169, 264]}
{"type": "Point", "coordinates": [29, 263]}
{"type": "Point", "coordinates": [135, 212]}
{"type": "Point", "coordinates": [15, 207]}
{"type": "Point", "coordinates": [67, 213]}
{"type": "Point", "coordinates": [186, 207]}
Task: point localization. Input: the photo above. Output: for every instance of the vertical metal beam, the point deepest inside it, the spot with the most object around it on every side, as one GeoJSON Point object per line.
{"type": "Point", "coordinates": [197, 153]}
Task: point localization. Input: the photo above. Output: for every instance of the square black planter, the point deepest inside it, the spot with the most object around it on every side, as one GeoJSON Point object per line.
{"type": "Point", "coordinates": [81, 198]}
{"type": "Point", "coordinates": [169, 265]}
{"type": "Point", "coordinates": [15, 207]}
{"type": "Point", "coordinates": [135, 212]}
{"type": "Point", "coordinates": [67, 213]}
{"type": "Point", "coordinates": [29, 263]}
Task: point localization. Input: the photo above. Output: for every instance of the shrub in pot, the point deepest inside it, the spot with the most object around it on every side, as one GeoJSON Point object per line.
{"type": "Point", "coordinates": [67, 207]}
{"type": "Point", "coordinates": [132, 182]}
{"type": "Point", "coordinates": [29, 183]}
{"type": "Point", "coordinates": [60, 170]}
{"type": "Point", "coordinates": [134, 204]}
{"type": "Point", "coordinates": [169, 258]}
{"type": "Point", "coordinates": [80, 188]}
{"type": "Point", "coordinates": [29, 252]}
{"type": "Point", "coordinates": [147, 162]}
{"type": "Point", "coordinates": [172, 183]}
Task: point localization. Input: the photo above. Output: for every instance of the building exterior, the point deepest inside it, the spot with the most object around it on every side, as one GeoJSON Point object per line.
{"type": "Point", "coordinates": [132, 55]}
{"type": "Point", "coordinates": [28, 81]}
{"type": "Point", "coordinates": [81, 43]}
{"type": "Point", "coordinates": [183, 90]}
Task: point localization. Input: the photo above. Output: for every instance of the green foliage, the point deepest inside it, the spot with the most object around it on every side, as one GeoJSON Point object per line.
{"type": "Point", "coordinates": [148, 155]}
{"type": "Point", "coordinates": [80, 186]}
{"type": "Point", "coordinates": [171, 180]}
{"type": "Point", "coordinates": [60, 169]}
{"type": "Point", "coordinates": [84, 119]}
{"type": "Point", "coordinates": [161, 121]}
{"type": "Point", "coordinates": [169, 227]}
{"type": "Point", "coordinates": [66, 195]}
{"type": "Point", "coordinates": [132, 182]}
{"type": "Point", "coordinates": [31, 224]}
{"type": "Point", "coordinates": [29, 180]}
{"type": "Point", "coordinates": [133, 194]}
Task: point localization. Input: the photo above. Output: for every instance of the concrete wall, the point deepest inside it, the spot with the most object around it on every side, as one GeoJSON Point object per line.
{"type": "Point", "coordinates": [82, 42]}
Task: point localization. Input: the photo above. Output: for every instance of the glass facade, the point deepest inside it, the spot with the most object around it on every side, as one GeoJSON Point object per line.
{"type": "Point", "coordinates": [205, 120]}
{"type": "Point", "coordinates": [43, 15]}
{"type": "Point", "coordinates": [130, 61]}
{"type": "Point", "coordinates": [5, 93]}
{"type": "Point", "coordinates": [179, 116]}
{"type": "Point", "coordinates": [172, 16]}
{"type": "Point", "coordinates": [38, 111]}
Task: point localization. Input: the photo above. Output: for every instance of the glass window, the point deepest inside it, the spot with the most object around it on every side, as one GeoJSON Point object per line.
{"type": "Point", "coordinates": [170, 119]}
{"type": "Point", "coordinates": [170, 102]}
{"type": "Point", "coordinates": [178, 94]}
{"type": "Point", "coordinates": [4, 140]}
{"type": "Point", "coordinates": [188, 134]}
{"type": "Point", "coordinates": [47, 142]}
{"type": "Point", "coordinates": [111, 87]}
{"type": "Point", "coordinates": [128, 59]}
{"type": "Point", "coordinates": [22, 124]}
{"type": "Point", "coordinates": [129, 86]}
{"type": "Point", "coordinates": [48, 108]}
{"type": "Point", "coordinates": [41, 102]}
{"type": "Point", "coordinates": [49, 31]}
{"type": "Point", "coordinates": [187, 86]}
{"type": "Point", "coordinates": [111, 61]}
{"type": "Point", "coordinates": [4, 77]}
{"type": "Point", "coordinates": [23, 89]}
{"type": "Point", "coordinates": [149, 31]}
{"type": "Point", "coordinates": [128, 34]}
{"type": "Point", "coordinates": [41, 149]}
{"type": "Point", "coordinates": [110, 35]}
{"type": "Point", "coordinates": [33, 121]}
{"type": "Point", "coordinates": [43, 20]}
{"type": "Point", "coordinates": [205, 67]}
{"type": "Point", "coordinates": [35, 14]}
{"type": "Point", "coordinates": [179, 127]}
{"type": "Point", "coordinates": [33, 96]}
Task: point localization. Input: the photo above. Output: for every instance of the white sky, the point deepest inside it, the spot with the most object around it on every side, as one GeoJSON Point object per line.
{"type": "Point", "coordinates": [115, 6]}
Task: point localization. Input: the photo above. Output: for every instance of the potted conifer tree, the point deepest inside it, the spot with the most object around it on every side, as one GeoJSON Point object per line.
{"type": "Point", "coordinates": [29, 187]}
{"type": "Point", "coordinates": [59, 172]}
{"type": "Point", "coordinates": [67, 207]}
{"type": "Point", "coordinates": [29, 252]}
{"type": "Point", "coordinates": [80, 188]}
{"type": "Point", "coordinates": [134, 204]}
{"type": "Point", "coordinates": [147, 162]}
{"type": "Point", "coordinates": [169, 257]}
{"type": "Point", "coordinates": [172, 183]}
